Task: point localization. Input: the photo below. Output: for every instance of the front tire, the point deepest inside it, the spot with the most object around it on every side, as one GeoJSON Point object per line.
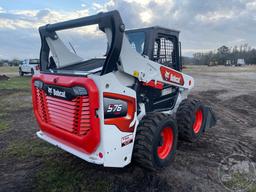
{"type": "Point", "coordinates": [156, 141]}
{"type": "Point", "coordinates": [191, 120]}
{"type": "Point", "coordinates": [32, 72]}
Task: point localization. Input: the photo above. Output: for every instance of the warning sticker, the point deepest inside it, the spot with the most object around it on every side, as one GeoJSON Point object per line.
{"type": "Point", "coordinates": [126, 140]}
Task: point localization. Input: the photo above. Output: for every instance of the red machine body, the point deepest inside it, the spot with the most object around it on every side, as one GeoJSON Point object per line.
{"type": "Point", "coordinates": [74, 122]}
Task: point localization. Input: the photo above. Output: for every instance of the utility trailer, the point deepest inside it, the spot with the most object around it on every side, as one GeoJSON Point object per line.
{"type": "Point", "coordinates": [130, 105]}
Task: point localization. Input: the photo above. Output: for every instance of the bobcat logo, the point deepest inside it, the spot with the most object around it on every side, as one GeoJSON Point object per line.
{"type": "Point", "coordinates": [50, 90]}
{"type": "Point", "coordinates": [167, 75]}
{"type": "Point", "coordinates": [56, 92]}
{"type": "Point", "coordinates": [171, 75]}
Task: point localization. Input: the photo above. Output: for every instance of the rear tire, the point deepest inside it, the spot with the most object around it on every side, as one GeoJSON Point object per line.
{"type": "Point", "coordinates": [156, 141]}
{"type": "Point", "coordinates": [191, 120]}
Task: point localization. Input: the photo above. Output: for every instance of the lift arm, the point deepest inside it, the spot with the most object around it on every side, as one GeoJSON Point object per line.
{"type": "Point", "coordinates": [148, 71]}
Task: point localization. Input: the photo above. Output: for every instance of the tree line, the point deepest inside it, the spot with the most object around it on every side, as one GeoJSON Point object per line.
{"type": "Point", "coordinates": [224, 54]}
{"type": "Point", "coordinates": [12, 62]}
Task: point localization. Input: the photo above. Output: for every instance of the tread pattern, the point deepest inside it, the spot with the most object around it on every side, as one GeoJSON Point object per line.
{"type": "Point", "coordinates": [185, 118]}
{"type": "Point", "coordinates": [143, 150]}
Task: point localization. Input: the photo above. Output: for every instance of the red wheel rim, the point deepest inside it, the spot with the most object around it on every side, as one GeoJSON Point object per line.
{"type": "Point", "coordinates": [167, 141]}
{"type": "Point", "coordinates": [198, 121]}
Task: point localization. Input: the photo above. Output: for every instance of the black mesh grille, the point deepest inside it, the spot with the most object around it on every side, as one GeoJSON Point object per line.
{"type": "Point", "coordinates": [163, 51]}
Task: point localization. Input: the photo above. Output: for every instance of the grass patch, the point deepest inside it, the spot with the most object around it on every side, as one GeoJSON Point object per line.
{"type": "Point", "coordinates": [252, 188]}
{"type": "Point", "coordinates": [58, 171]}
{"type": "Point", "coordinates": [8, 69]}
{"type": "Point", "coordinates": [14, 94]}
{"type": "Point", "coordinates": [65, 175]}
{"type": "Point", "coordinates": [16, 83]}
{"type": "Point", "coordinates": [14, 101]}
{"type": "Point", "coordinates": [3, 126]}
{"type": "Point", "coordinates": [3, 113]}
{"type": "Point", "coordinates": [27, 149]}
{"type": "Point", "coordinates": [239, 182]}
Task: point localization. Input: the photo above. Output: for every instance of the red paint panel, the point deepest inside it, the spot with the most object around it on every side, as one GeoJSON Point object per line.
{"type": "Point", "coordinates": [122, 123]}
{"type": "Point", "coordinates": [172, 76]}
{"type": "Point", "coordinates": [157, 85]}
{"type": "Point", "coordinates": [74, 122]}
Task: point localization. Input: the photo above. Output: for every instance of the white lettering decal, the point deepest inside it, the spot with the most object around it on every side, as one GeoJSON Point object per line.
{"type": "Point", "coordinates": [59, 93]}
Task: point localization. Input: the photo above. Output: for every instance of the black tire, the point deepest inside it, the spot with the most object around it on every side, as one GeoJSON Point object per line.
{"type": "Point", "coordinates": [20, 72]}
{"type": "Point", "coordinates": [191, 126]}
{"type": "Point", "coordinates": [32, 72]}
{"type": "Point", "coordinates": [148, 141]}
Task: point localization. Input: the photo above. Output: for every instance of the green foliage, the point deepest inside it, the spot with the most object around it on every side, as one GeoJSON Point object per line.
{"type": "Point", "coordinates": [14, 62]}
{"type": "Point", "coordinates": [224, 53]}
{"type": "Point", "coordinates": [3, 126]}
{"type": "Point", "coordinates": [252, 188]}
{"type": "Point", "coordinates": [238, 181]}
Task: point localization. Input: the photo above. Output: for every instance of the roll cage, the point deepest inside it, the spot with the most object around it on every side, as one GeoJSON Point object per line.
{"type": "Point", "coordinates": [110, 20]}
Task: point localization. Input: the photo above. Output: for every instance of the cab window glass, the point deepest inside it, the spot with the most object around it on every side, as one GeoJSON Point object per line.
{"type": "Point", "coordinates": [137, 41]}
{"type": "Point", "coordinates": [164, 51]}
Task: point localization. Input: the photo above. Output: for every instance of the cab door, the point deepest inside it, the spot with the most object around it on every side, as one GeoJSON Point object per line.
{"type": "Point", "coordinates": [166, 51]}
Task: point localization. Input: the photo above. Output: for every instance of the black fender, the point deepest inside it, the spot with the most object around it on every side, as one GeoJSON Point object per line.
{"type": "Point", "coordinates": [210, 118]}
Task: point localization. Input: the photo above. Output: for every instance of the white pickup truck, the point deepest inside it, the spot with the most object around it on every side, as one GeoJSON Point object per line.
{"type": "Point", "coordinates": [29, 66]}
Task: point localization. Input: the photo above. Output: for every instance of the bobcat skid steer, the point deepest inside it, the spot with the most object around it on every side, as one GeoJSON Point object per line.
{"type": "Point", "coordinates": [129, 105]}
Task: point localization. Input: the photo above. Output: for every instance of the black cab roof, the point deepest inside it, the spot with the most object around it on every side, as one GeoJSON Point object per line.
{"type": "Point", "coordinates": [156, 29]}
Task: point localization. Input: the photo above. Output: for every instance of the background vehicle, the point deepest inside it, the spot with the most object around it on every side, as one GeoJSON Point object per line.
{"type": "Point", "coordinates": [131, 104]}
{"type": "Point", "coordinates": [228, 62]}
{"type": "Point", "coordinates": [240, 62]}
{"type": "Point", "coordinates": [29, 66]}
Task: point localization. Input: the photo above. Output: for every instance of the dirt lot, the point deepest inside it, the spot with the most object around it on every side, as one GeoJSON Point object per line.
{"type": "Point", "coordinates": [28, 164]}
{"type": "Point", "coordinates": [9, 71]}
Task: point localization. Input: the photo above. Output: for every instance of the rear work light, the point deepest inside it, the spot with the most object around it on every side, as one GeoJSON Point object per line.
{"type": "Point", "coordinates": [80, 91]}
{"type": "Point", "coordinates": [39, 84]}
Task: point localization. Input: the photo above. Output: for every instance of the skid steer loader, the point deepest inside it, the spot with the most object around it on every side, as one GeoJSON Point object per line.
{"type": "Point", "coordinates": [129, 105]}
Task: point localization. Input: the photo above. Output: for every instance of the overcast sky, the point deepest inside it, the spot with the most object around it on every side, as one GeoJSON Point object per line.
{"type": "Point", "coordinates": [204, 24]}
